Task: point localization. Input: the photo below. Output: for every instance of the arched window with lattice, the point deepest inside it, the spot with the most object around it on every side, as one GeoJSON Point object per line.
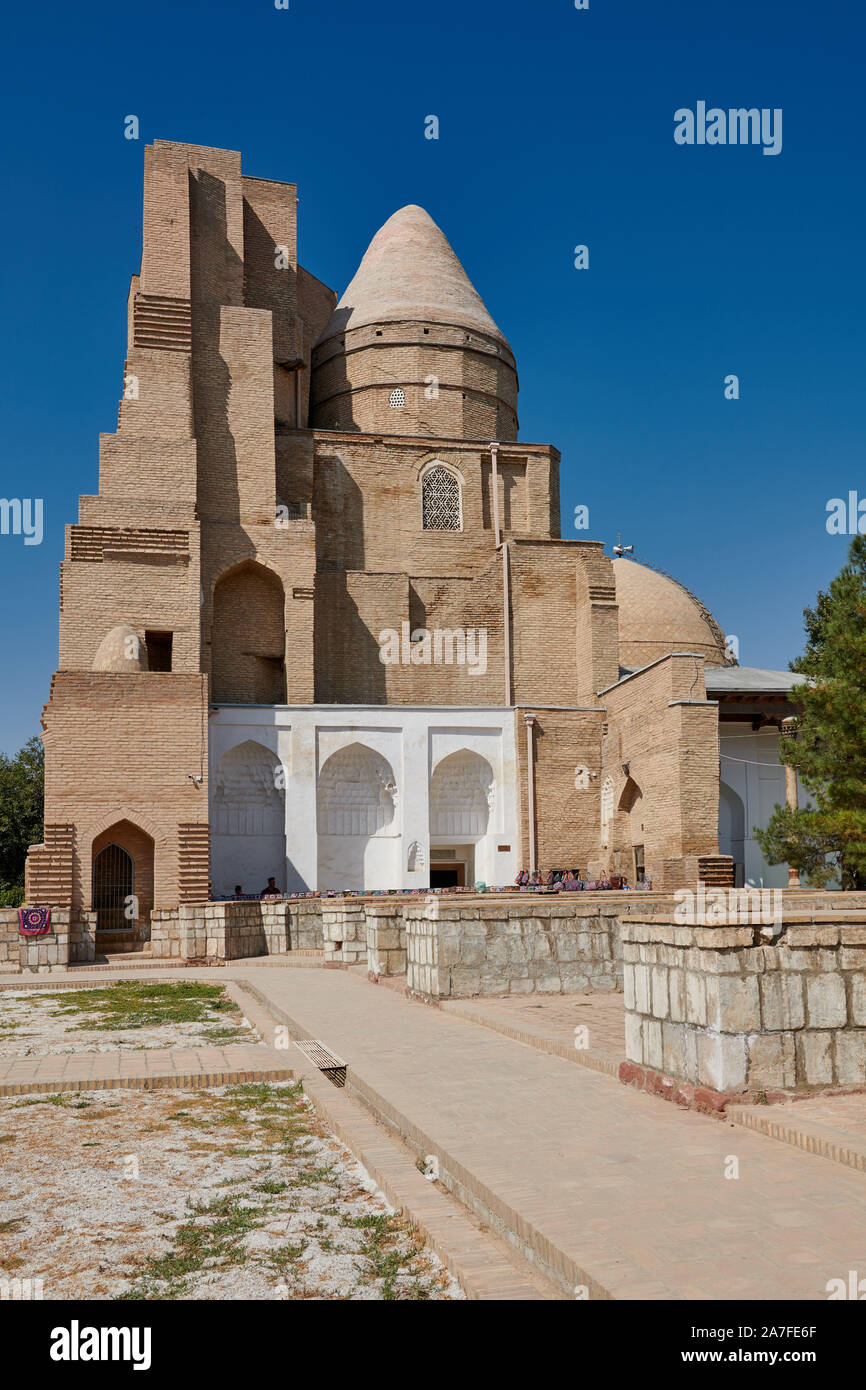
{"type": "Point", "coordinates": [440, 491]}
{"type": "Point", "coordinates": [397, 398]}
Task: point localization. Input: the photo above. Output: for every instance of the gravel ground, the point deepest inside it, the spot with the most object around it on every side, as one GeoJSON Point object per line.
{"type": "Point", "coordinates": [49, 1023]}
{"type": "Point", "coordinates": [231, 1193]}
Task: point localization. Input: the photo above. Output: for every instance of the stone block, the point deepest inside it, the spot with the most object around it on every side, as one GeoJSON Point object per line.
{"type": "Point", "coordinates": [782, 1005]}
{"type": "Point", "coordinates": [696, 998]}
{"type": "Point", "coordinates": [465, 982]}
{"type": "Point", "coordinates": [629, 989]}
{"type": "Point", "coordinates": [733, 1003]}
{"type": "Point", "coordinates": [815, 1058]}
{"type": "Point", "coordinates": [521, 986]}
{"type": "Point", "coordinates": [674, 1049]}
{"type": "Point", "coordinates": [826, 1006]}
{"type": "Point", "coordinates": [812, 935]}
{"type": "Point", "coordinates": [566, 946]}
{"type": "Point", "coordinates": [772, 1061]}
{"type": "Point", "coordinates": [719, 938]}
{"type": "Point", "coordinates": [858, 1000]}
{"type": "Point", "coordinates": [811, 960]}
{"type": "Point", "coordinates": [722, 1061]}
{"type": "Point", "coordinates": [851, 1058]}
{"type": "Point", "coordinates": [642, 989]}
{"type": "Point", "coordinates": [659, 980]}
{"type": "Point", "coordinates": [573, 979]}
{"type": "Point", "coordinates": [653, 1045]}
{"type": "Point", "coordinates": [677, 995]}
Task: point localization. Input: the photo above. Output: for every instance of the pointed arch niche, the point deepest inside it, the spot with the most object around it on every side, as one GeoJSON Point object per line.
{"type": "Point", "coordinates": [248, 820]}
{"type": "Point", "coordinates": [248, 638]}
{"type": "Point", "coordinates": [358, 831]}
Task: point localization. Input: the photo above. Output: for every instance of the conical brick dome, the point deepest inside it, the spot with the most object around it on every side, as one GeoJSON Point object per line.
{"type": "Point", "coordinates": [409, 273]}
{"type": "Point", "coordinates": [410, 348]}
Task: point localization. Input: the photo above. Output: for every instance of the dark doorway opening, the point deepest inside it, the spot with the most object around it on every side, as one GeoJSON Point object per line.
{"type": "Point", "coordinates": [447, 876]}
{"type": "Point", "coordinates": [639, 864]}
{"type": "Point", "coordinates": [158, 650]}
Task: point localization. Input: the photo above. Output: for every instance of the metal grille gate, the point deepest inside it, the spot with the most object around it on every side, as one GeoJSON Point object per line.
{"type": "Point", "coordinates": [113, 875]}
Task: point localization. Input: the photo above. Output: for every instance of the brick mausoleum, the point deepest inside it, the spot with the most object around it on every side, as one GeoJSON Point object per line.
{"type": "Point", "coordinates": [292, 477]}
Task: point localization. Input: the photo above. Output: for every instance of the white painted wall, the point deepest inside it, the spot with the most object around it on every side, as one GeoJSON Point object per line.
{"type": "Point", "coordinates": [413, 742]}
{"type": "Point", "coordinates": [753, 782]}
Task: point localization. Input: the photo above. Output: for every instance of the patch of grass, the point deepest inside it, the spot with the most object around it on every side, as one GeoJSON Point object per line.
{"type": "Point", "coordinates": [286, 1255]}
{"type": "Point", "coordinates": [311, 1177]}
{"type": "Point", "coordinates": [223, 1035]}
{"type": "Point", "coordinates": [16, 1224]}
{"type": "Point", "coordinates": [7, 1138]}
{"type": "Point", "coordinates": [210, 1238]}
{"type": "Point", "coordinates": [384, 1258]}
{"type": "Point", "coordinates": [133, 1004]}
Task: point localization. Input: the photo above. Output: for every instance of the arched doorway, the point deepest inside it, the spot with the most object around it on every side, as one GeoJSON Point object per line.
{"type": "Point", "coordinates": [122, 861]}
{"type": "Point", "coordinates": [356, 804]}
{"type": "Point", "coordinates": [462, 802]}
{"type": "Point", "coordinates": [732, 830]}
{"type": "Point", "coordinates": [248, 640]}
{"type": "Point", "coordinates": [113, 889]}
{"type": "Point", "coordinates": [629, 856]}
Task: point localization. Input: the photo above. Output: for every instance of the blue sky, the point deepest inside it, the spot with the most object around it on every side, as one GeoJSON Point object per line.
{"type": "Point", "coordinates": [556, 129]}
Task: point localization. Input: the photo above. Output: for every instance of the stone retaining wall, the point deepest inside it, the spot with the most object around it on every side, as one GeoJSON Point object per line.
{"type": "Point", "coordinates": [386, 938]}
{"type": "Point", "coordinates": [234, 930]}
{"type": "Point", "coordinates": [748, 1009]}
{"type": "Point", "coordinates": [39, 953]}
{"type": "Point", "coordinates": [500, 945]}
{"type": "Point", "coordinates": [344, 930]}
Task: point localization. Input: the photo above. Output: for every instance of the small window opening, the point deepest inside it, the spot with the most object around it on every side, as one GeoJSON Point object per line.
{"type": "Point", "coordinates": [158, 646]}
{"type": "Point", "coordinates": [397, 399]}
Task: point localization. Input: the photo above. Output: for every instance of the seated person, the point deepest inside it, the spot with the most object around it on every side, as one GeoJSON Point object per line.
{"type": "Point", "coordinates": [272, 891]}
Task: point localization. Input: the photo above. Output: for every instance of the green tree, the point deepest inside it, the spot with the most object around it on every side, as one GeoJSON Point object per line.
{"type": "Point", "coordinates": [22, 793]}
{"type": "Point", "coordinates": [829, 751]}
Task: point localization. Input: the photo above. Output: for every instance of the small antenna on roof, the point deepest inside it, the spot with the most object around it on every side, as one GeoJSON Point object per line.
{"type": "Point", "coordinates": [620, 549]}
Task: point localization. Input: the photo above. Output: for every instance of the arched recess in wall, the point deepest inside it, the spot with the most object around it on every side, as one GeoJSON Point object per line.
{"type": "Point", "coordinates": [462, 796]}
{"type": "Point", "coordinates": [357, 793]}
{"type": "Point", "coordinates": [249, 792]}
{"type": "Point", "coordinates": [630, 796]}
{"type": "Point", "coordinates": [356, 807]}
{"type": "Point", "coordinates": [248, 820]}
{"type": "Point", "coordinates": [732, 829]}
{"type": "Point", "coordinates": [441, 497]}
{"type": "Point", "coordinates": [122, 862]}
{"type": "Point", "coordinates": [248, 638]}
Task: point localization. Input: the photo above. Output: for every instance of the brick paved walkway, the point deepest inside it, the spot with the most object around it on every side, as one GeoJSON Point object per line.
{"type": "Point", "coordinates": [834, 1126]}
{"type": "Point", "coordinates": [549, 1022]}
{"type": "Point", "coordinates": [606, 1186]}
{"type": "Point", "coordinates": [156, 1066]}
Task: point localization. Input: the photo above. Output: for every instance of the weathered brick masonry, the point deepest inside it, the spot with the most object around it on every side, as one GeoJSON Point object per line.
{"type": "Point", "coordinates": [290, 478]}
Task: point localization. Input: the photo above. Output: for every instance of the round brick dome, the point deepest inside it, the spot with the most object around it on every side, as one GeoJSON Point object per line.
{"type": "Point", "coordinates": [122, 649]}
{"type": "Point", "coordinates": [657, 615]}
{"type": "Point", "coordinates": [411, 348]}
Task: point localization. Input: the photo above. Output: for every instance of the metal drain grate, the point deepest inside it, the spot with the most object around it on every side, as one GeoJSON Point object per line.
{"type": "Point", "coordinates": [333, 1067]}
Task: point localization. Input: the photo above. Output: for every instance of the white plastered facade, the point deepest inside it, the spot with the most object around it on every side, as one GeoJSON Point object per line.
{"type": "Point", "coordinates": [372, 796]}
